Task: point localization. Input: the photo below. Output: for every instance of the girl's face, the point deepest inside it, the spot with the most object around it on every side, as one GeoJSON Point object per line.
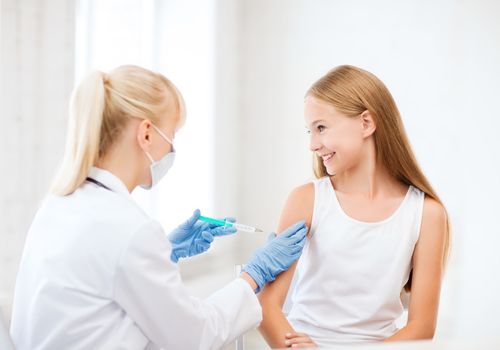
{"type": "Point", "coordinates": [335, 137]}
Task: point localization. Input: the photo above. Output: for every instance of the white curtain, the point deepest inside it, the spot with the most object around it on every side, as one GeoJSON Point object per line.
{"type": "Point", "coordinates": [37, 69]}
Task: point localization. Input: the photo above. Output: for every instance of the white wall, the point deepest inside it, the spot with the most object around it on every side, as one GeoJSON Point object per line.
{"type": "Point", "coordinates": [36, 78]}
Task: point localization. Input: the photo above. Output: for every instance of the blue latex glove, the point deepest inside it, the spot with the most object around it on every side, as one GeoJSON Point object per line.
{"type": "Point", "coordinates": [277, 255]}
{"type": "Point", "coordinates": [193, 237]}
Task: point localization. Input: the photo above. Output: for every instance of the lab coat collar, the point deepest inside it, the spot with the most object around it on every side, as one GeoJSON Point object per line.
{"type": "Point", "coordinates": [108, 179]}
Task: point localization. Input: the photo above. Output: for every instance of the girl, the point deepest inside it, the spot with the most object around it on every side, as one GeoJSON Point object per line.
{"type": "Point", "coordinates": [377, 225]}
{"type": "Point", "coordinates": [96, 271]}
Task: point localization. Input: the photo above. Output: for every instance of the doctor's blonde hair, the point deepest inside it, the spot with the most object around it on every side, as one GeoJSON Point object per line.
{"type": "Point", "coordinates": [100, 108]}
{"type": "Point", "coordinates": [351, 91]}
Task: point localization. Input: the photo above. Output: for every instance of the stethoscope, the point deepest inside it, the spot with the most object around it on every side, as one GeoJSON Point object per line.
{"type": "Point", "coordinates": [98, 183]}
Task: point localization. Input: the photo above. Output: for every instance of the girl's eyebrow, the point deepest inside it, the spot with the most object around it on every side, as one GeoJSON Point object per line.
{"type": "Point", "coordinates": [317, 121]}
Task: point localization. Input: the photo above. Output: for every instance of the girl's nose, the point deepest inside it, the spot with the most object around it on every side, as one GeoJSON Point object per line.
{"type": "Point", "coordinates": [314, 145]}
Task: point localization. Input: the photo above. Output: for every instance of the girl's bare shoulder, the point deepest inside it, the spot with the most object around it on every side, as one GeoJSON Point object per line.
{"type": "Point", "coordinates": [298, 206]}
{"type": "Point", "coordinates": [302, 197]}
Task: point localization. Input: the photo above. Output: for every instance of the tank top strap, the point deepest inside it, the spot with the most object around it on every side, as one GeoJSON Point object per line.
{"type": "Point", "coordinates": [414, 208]}
{"type": "Point", "coordinates": [323, 200]}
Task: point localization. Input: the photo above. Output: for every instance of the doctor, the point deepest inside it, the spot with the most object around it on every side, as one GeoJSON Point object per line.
{"type": "Point", "coordinates": [96, 271]}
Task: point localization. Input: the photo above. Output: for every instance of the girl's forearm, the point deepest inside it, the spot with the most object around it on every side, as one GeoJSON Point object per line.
{"type": "Point", "coordinates": [274, 326]}
{"type": "Point", "coordinates": [413, 331]}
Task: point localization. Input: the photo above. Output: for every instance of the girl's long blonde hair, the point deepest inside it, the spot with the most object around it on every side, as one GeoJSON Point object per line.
{"type": "Point", "coordinates": [351, 91]}
{"type": "Point", "coordinates": [100, 108]}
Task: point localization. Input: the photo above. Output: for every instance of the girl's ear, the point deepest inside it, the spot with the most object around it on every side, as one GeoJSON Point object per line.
{"type": "Point", "coordinates": [368, 124]}
{"type": "Point", "coordinates": [144, 130]}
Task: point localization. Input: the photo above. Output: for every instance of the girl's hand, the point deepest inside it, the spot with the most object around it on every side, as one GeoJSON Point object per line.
{"type": "Point", "coordinates": [298, 340]}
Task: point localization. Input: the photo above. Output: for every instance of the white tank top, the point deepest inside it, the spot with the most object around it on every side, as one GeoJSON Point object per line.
{"type": "Point", "coordinates": [349, 278]}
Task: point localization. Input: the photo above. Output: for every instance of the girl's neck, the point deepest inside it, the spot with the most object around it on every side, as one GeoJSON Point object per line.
{"type": "Point", "coordinates": [368, 183]}
{"type": "Point", "coordinates": [368, 179]}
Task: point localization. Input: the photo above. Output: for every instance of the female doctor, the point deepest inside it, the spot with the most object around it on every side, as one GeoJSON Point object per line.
{"type": "Point", "coordinates": [96, 271]}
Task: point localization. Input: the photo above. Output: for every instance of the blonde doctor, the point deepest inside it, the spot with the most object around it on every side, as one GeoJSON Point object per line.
{"type": "Point", "coordinates": [96, 271]}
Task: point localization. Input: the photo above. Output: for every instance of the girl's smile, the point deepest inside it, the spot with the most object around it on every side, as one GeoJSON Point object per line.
{"type": "Point", "coordinates": [327, 158]}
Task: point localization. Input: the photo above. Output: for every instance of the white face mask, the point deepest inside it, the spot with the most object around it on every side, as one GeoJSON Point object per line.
{"type": "Point", "coordinates": [160, 168]}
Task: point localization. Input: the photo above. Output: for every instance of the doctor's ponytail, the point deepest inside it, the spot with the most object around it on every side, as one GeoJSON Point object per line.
{"type": "Point", "coordinates": [100, 108]}
{"type": "Point", "coordinates": [84, 126]}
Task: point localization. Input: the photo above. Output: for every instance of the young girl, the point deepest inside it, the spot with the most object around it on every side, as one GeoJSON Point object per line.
{"type": "Point", "coordinates": [377, 226]}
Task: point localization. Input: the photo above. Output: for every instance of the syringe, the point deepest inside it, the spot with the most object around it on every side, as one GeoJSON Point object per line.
{"type": "Point", "coordinates": [226, 223]}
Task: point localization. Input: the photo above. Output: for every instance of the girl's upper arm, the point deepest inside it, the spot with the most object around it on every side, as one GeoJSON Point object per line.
{"type": "Point", "coordinates": [298, 206]}
{"type": "Point", "coordinates": [428, 258]}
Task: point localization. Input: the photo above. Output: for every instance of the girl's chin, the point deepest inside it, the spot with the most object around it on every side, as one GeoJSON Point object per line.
{"type": "Point", "coordinates": [331, 171]}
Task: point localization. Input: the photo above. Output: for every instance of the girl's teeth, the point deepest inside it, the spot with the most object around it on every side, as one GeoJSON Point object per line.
{"type": "Point", "coordinates": [327, 157]}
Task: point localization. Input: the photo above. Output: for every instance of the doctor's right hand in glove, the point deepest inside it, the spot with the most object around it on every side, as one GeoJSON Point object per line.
{"type": "Point", "coordinates": [276, 256]}
{"type": "Point", "coordinates": [194, 237]}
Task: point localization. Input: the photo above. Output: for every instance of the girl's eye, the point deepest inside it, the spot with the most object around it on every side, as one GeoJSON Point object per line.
{"type": "Point", "coordinates": [320, 128]}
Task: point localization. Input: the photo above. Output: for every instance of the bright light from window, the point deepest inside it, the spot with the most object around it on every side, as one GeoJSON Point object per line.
{"type": "Point", "coordinates": [175, 40]}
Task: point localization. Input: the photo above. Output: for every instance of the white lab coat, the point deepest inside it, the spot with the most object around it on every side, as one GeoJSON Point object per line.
{"type": "Point", "coordinates": [96, 274]}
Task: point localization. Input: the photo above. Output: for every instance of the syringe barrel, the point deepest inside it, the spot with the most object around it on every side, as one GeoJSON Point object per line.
{"type": "Point", "coordinates": [245, 228]}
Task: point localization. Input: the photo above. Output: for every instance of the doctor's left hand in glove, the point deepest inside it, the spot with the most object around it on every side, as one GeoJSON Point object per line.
{"type": "Point", "coordinates": [97, 272]}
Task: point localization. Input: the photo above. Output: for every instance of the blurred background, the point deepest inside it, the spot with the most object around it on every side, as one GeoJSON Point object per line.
{"type": "Point", "coordinates": [243, 67]}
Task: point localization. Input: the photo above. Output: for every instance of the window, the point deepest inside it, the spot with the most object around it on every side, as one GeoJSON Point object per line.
{"type": "Point", "coordinates": [177, 41]}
